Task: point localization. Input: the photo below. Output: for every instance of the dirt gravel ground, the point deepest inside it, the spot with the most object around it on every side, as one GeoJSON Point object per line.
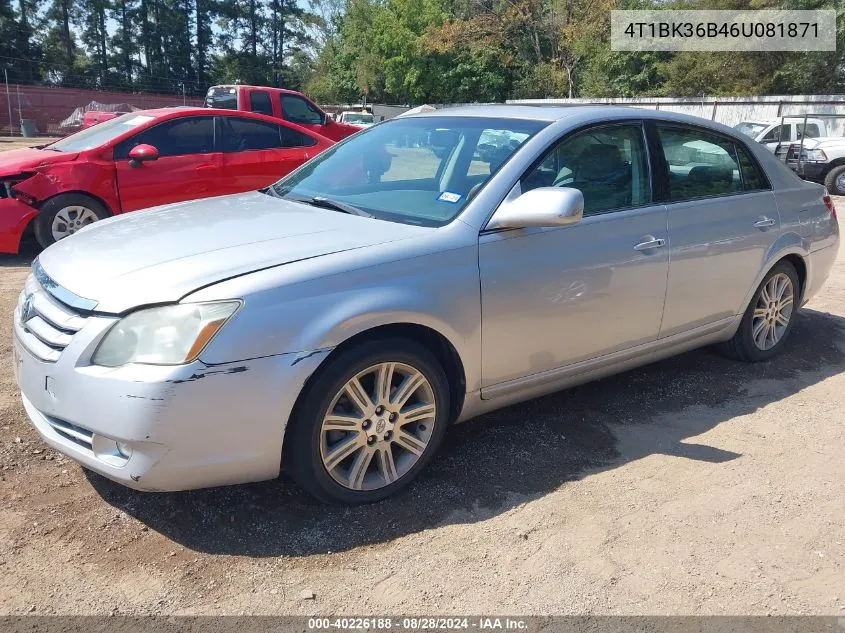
{"type": "Point", "coordinates": [696, 485]}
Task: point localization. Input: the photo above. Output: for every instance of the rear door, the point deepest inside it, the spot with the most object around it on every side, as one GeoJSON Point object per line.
{"type": "Point", "coordinates": [722, 222]}
{"type": "Point", "coordinates": [258, 153]}
{"type": "Point", "coordinates": [189, 164]}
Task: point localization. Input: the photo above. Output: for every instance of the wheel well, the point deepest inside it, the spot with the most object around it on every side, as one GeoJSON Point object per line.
{"type": "Point", "coordinates": [432, 340]}
{"type": "Point", "coordinates": [801, 268]}
{"type": "Point", "coordinates": [837, 163]}
{"type": "Point", "coordinates": [78, 193]}
{"type": "Point", "coordinates": [28, 232]}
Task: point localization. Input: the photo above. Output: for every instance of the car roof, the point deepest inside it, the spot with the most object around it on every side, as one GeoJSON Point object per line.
{"type": "Point", "coordinates": [552, 113]}
{"type": "Point", "coordinates": [270, 88]}
{"type": "Point", "coordinates": [178, 111]}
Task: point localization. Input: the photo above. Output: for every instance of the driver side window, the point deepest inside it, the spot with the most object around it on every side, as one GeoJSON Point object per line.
{"type": "Point", "coordinates": [609, 165]}
{"type": "Point", "coordinates": [298, 110]}
{"type": "Point", "coordinates": [177, 137]}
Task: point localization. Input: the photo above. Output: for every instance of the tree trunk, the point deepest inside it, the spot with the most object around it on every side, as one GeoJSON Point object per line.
{"type": "Point", "coordinates": [253, 27]}
{"type": "Point", "coordinates": [68, 42]}
{"type": "Point", "coordinates": [201, 13]}
{"type": "Point", "coordinates": [126, 28]}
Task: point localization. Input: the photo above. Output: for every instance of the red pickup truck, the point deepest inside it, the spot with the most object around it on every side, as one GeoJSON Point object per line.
{"type": "Point", "coordinates": [289, 105]}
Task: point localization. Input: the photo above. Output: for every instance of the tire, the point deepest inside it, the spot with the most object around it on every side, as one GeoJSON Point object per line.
{"type": "Point", "coordinates": [744, 345]}
{"type": "Point", "coordinates": [314, 455]}
{"type": "Point", "coordinates": [76, 209]}
{"type": "Point", "coordinates": [831, 178]}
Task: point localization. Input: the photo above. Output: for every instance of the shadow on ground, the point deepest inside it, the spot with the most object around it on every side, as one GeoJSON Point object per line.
{"type": "Point", "coordinates": [495, 462]}
{"type": "Point", "coordinates": [28, 251]}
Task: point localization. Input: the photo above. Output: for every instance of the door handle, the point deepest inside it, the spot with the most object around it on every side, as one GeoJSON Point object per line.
{"type": "Point", "coordinates": [764, 222]}
{"type": "Point", "coordinates": [649, 242]}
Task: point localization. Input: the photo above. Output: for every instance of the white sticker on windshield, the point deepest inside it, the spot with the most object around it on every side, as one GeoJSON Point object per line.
{"type": "Point", "coordinates": [138, 120]}
{"type": "Point", "coordinates": [448, 196]}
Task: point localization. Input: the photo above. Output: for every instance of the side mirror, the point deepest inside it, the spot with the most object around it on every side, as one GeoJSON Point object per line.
{"type": "Point", "coordinates": [544, 206]}
{"type": "Point", "coordinates": [142, 153]}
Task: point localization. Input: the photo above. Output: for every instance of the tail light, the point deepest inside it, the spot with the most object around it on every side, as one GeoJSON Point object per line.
{"type": "Point", "coordinates": [828, 202]}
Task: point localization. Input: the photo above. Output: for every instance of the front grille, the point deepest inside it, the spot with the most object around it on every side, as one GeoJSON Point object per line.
{"type": "Point", "coordinates": [76, 434]}
{"type": "Point", "coordinates": [45, 325]}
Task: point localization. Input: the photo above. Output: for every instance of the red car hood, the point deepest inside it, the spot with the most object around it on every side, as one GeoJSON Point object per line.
{"type": "Point", "coordinates": [18, 160]}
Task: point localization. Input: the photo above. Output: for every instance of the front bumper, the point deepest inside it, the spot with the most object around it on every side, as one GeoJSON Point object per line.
{"type": "Point", "coordinates": [14, 218]}
{"type": "Point", "coordinates": [810, 171]}
{"type": "Point", "coordinates": [188, 427]}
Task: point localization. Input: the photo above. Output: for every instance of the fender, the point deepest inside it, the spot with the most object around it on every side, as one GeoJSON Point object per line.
{"type": "Point", "coordinates": [91, 178]}
{"type": "Point", "coordinates": [322, 313]}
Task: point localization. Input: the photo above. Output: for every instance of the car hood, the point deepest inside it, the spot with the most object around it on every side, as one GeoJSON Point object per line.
{"type": "Point", "coordinates": [826, 141]}
{"type": "Point", "coordinates": [160, 255]}
{"type": "Point", "coordinates": [18, 160]}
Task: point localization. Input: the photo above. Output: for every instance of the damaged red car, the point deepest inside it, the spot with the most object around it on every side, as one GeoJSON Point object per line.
{"type": "Point", "coordinates": [143, 159]}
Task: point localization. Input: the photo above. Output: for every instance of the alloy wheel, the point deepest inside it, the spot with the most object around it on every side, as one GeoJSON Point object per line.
{"type": "Point", "coordinates": [772, 311]}
{"type": "Point", "coordinates": [69, 220]}
{"type": "Point", "coordinates": [377, 426]}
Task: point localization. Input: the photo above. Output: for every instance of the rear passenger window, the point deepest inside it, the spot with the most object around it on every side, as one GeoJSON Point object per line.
{"type": "Point", "coordinates": [700, 165]}
{"type": "Point", "coordinates": [294, 138]}
{"type": "Point", "coordinates": [608, 165]}
{"type": "Point", "coordinates": [752, 178]}
{"type": "Point", "coordinates": [246, 134]}
{"type": "Point", "coordinates": [259, 101]}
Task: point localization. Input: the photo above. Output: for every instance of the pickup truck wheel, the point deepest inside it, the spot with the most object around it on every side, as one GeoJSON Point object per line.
{"type": "Point", "coordinates": [64, 215]}
{"type": "Point", "coordinates": [835, 181]}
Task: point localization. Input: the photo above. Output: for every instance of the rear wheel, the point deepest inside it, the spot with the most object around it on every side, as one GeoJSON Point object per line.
{"type": "Point", "coordinates": [64, 215]}
{"type": "Point", "coordinates": [835, 181]}
{"type": "Point", "coordinates": [769, 317]}
{"type": "Point", "coordinates": [369, 423]}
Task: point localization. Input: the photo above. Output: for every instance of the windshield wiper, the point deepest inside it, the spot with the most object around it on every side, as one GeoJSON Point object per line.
{"type": "Point", "coordinates": [335, 205]}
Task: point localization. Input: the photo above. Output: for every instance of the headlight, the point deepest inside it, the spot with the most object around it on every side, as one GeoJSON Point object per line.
{"type": "Point", "coordinates": [170, 335]}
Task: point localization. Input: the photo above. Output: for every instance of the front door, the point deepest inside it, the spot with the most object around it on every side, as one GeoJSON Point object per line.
{"type": "Point", "coordinates": [189, 165]}
{"type": "Point", "coordinates": [552, 297]}
{"type": "Point", "coordinates": [722, 222]}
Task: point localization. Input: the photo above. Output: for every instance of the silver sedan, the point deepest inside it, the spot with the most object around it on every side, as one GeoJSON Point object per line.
{"type": "Point", "coordinates": [420, 273]}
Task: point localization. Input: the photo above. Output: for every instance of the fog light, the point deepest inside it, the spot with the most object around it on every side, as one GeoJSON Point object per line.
{"type": "Point", "coordinates": [124, 449]}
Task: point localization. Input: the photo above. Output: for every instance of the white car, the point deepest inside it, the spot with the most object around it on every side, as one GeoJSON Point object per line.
{"type": "Point", "coordinates": [358, 119]}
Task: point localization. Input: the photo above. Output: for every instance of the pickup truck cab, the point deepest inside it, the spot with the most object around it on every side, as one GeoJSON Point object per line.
{"type": "Point", "coordinates": [289, 105]}
{"type": "Point", "coordinates": [784, 131]}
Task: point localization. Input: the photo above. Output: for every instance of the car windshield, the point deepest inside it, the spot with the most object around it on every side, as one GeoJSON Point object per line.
{"type": "Point", "coordinates": [417, 170]}
{"type": "Point", "coordinates": [99, 134]}
{"type": "Point", "coordinates": [354, 117]}
{"type": "Point", "coordinates": [750, 129]}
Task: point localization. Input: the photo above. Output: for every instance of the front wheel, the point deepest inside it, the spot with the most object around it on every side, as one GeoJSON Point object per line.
{"type": "Point", "coordinates": [64, 215]}
{"type": "Point", "coordinates": [769, 317]}
{"type": "Point", "coordinates": [834, 182]}
{"type": "Point", "coordinates": [369, 423]}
